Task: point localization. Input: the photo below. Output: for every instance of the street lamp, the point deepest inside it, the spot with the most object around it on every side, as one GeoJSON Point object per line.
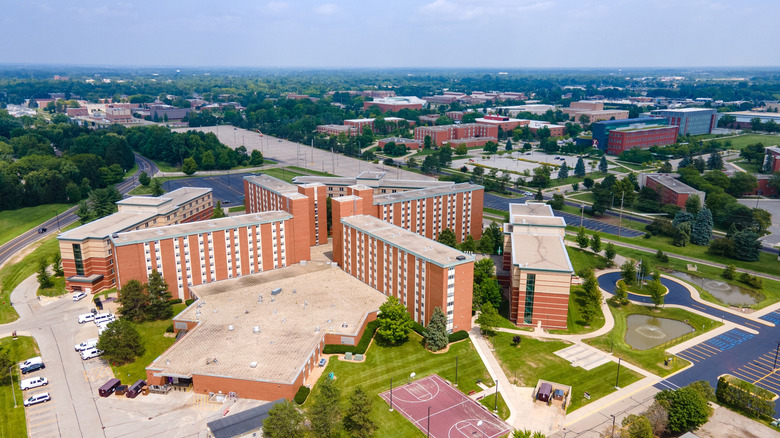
{"type": "Point", "coordinates": [428, 428]}
{"type": "Point", "coordinates": [582, 213]}
{"type": "Point", "coordinates": [495, 409]}
{"type": "Point", "coordinates": [617, 379]}
{"type": "Point", "coordinates": [456, 370]}
{"type": "Point", "coordinates": [13, 392]}
{"type": "Point", "coordinates": [776, 351]}
{"type": "Point", "coordinates": [479, 426]}
{"type": "Point", "coordinates": [613, 424]}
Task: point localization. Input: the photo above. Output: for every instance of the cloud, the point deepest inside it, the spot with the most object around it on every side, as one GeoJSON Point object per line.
{"type": "Point", "coordinates": [276, 7]}
{"type": "Point", "coordinates": [326, 9]}
{"type": "Point", "coordinates": [465, 10]}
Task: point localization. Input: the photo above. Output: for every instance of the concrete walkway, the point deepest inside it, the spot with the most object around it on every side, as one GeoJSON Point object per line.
{"type": "Point", "coordinates": [507, 390]}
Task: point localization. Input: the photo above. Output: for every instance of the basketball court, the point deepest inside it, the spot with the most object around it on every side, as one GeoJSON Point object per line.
{"type": "Point", "coordinates": [452, 413]}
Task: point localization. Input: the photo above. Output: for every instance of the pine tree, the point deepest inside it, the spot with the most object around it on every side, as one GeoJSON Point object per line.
{"type": "Point", "coordinates": [768, 164]}
{"type": "Point", "coordinates": [44, 279]}
{"type": "Point", "coordinates": [702, 228]}
{"type": "Point", "coordinates": [682, 216]}
{"type": "Point", "coordinates": [563, 171]}
{"type": "Point", "coordinates": [284, 421]}
{"type": "Point", "coordinates": [746, 245]}
{"type": "Point", "coordinates": [436, 332]}
{"type": "Point", "coordinates": [582, 238]}
{"type": "Point", "coordinates": [357, 419]}
{"type": "Point", "coordinates": [682, 234]}
{"type": "Point", "coordinates": [603, 165]}
{"type": "Point", "coordinates": [509, 144]}
{"type": "Point", "coordinates": [595, 243]}
{"type": "Point", "coordinates": [218, 211]}
{"type": "Point", "coordinates": [715, 161]}
{"type": "Point", "coordinates": [579, 168]}
{"type": "Point", "coordinates": [325, 414]}
{"type": "Point", "coordinates": [159, 297]}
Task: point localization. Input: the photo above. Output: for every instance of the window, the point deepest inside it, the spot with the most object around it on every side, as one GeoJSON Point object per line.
{"type": "Point", "coordinates": [530, 286]}
{"type": "Point", "coordinates": [77, 258]}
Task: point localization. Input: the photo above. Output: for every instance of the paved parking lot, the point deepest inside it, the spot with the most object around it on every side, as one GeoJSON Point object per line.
{"type": "Point", "coordinates": [42, 418]}
{"type": "Point", "coordinates": [224, 187]}
{"type": "Point", "coordinates": [712, 347]}
{"type": "Point", "coordinates": [761, 371]}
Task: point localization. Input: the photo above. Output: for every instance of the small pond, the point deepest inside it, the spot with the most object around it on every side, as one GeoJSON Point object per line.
{"type": "Point", "coordinates": [725, 292]}
{"type": "Point", "coordinates": [644, 332]}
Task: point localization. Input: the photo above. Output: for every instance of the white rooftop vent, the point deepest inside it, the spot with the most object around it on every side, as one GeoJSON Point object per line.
{"type": "Point", "coordinates": [253, 365]}
{"type": "Point", "coordinates": [230, 328]}
{"type": "Point", "coordinates": [256, 329]}
{"type": "Point", "coordinates": [316, 328]}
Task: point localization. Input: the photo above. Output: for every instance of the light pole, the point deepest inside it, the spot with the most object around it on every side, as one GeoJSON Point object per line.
{"type": "Point", "coordinates": [582, 213]}
{"type": "Point", "coordinates": [613, 425]}
{"type": "Point", "coordinates": [391, 394]}
{"type": "Point", "coordinates": [776, 351]}
{"type": "Point", "coordinates": [495, 408]}
{"type": "Point", "coordinates": [456, 370]}
{"type": "Point", "coordinates": [479, 426]}
{"type": "Point", "coordinates": [13, 392]}
{"type": "Point", "coordinates": [428, 428]}
{"type": "Point", "coordinates": [617, 379]}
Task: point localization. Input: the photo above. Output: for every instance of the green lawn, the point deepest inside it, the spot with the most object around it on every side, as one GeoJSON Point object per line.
{"type": "Point", "coordinates": [749, 167]}
{"type": "Point", "coordinates": [534, 360]}
{"type": "Point", "coordinates": [147, 190]}
{"type": "Point", "coordinates": [12, 420]}
{"type": "Point", "coordinates": [582, 196]}
{"type": "Point", "coordinates": [15, 222]}
{"type": "Point", "coordinates": [152, 333]}
{"type": "Point", "coordinates": [499, 213]}
{"type": "Point", "coordinates": [743, 140]}
{"type": "Point", "coordinates": [282, 173]}
{"type": "Point", "coordinates": [14, 273]}
{"type": "Point", "coordinates": [236, 209]}
{"type": "Point", "coordinates": [309, 171]}
{"type": "Point", "coordinates": [583, 259]}
{"type": "Point", "coordinates": [384, 362]}
{"type": "Point", "coordinates": [489, 402]}
{"type": "Point", "coordinates": [56, 290]}
{"type": "Point", "coordinates": [633, 166]}
{"type": "Point", "coordinates": [576, 325]}
{"type": "Point", "coordinates": [653, 359]}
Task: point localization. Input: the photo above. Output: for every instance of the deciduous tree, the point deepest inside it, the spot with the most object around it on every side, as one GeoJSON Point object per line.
{"type": "Point", "coordinates": [284, 421]}
{"type": "Point", "coordinates": [325, 413]}
{"type": "Point", "coordinates": [121, 342]}
{"type": "Point", "coordinates": [447, 237]}
{"type": "Point", "coordinates": [394, 321]}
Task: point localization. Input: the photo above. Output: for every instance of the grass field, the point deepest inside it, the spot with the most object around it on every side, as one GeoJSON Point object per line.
{"type": "Point", "coordinates": [489, 401]}
{"type": "Point", "coordinates": [236, 209]}
{"type": "Point", "coordinates": [308, 171]}
{"type": "Point", "coordinates": [499, 213]}
{"type": "Point", "coordinates": [282, 173]}
{"type": "Point", "coordinates": [749, 167]}
{"type": "Point", "coordinates": [15, 222]}
{"type": "Point", "coordinates": [54, 291]}
{"type": "Point", "coordinates": [633, 166]}
{"type": "Point", "coordinates": [582, 259]}
{"type": "Point", "coordinates": [14, 273]}
{"type": "Point", "coordinates": [12, 420]}
{"type": "Point", "coordinates": [652, 359]}
{"type": "Point", "coordinates": [534, 360]}
{"type": "Point", "coordinates": [741, 141]}
{"type": "Point", "coordinates": [385, 362]}
{"type": "Point", "coordinates": [152, 335]}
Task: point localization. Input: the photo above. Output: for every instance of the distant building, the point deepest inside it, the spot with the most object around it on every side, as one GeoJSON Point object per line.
{"type": "Point", "coordinates": [77, 112]}
{"type": "Point", "coordinates": [441, 134]}
{"type": "Point", "coordinates": [537, 109]}
{"type": "Point", "coordinates": [358, 124]}
{"type": "Point", "coordinates": [693, 121]}
{"type": "Point", "coordinates": [396, 103]}
{"type": "Point", "coordinates": [430, 118]}
{"type": "Point", "coordinates": [539, 267]}
{"type": "Point", "coordinates": [408, 142]}
{"type": "Point", "coordinates": [744, 118]}
{"type": "Point", "coordinates": [248, 423]}
{"type": "Point", "coordinates": [119, 115]}
{"type": "Point", "coordinates": [173, 113]}
{"type": "Point", "coordinates": [336, 129]}
{"type": "Point", "coordinates": [378, 94]}
{"type": "Point", "coordinates": [773, 152]}
{"type": "Point", "coordinates": [455, 115]}
{"type": "Point", "coordinates": [601, 130]}
{"type": "Point", "coordinates": [670, 189]}
{"type": "Point", "coordinates": [473, 142]}
{"type": "Point", "coordinates": [640, 137]}
{"type": "Point", "coordinates": [594, 110]}
{"type": "Point", "coordinates": [507, 124]}
{"type": "Point", "coordinates": [555, 130]}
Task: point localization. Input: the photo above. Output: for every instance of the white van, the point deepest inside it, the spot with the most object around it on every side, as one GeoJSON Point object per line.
{"type": "Point", "coordinates": [89, 343]}
{"type": "Point", "coordinates": [37, 398]}
{"type": "Point", "coordinates": [90, 353]}
{"type": "Point", "coordinates": [104, 317]}
{"type": "Point", "coordinates": [87, 317]}
{"type": "Point", "coordinates": [33, 382]}
{"type": "Point", "coordinates": [30, 361]}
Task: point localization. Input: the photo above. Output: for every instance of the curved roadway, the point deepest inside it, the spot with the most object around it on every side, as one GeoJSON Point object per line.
{"type": "Point", "coordinates": [67, 217]}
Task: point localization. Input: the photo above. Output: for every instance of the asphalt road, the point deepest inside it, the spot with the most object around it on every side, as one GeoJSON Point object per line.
{"type": "Point", "coordinates": [226, 188]}
{"type": "Point", "coordinates": [737, 352]}
{"type": "Point", "coordinates": [68, 217]}
{"type": "Point", "coordinates": [502, 203]}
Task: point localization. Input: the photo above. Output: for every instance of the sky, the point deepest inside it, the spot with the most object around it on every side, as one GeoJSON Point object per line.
{"type": "Point", "coordinates": [509, 34]}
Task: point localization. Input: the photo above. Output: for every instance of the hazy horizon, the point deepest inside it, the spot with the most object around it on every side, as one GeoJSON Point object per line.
{"type": "Point", "coordinates": [429, 34]}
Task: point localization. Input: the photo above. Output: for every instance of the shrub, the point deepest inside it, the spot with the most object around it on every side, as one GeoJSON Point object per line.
{"type": "Point", "coordinates": [175, 301]}
{"type": "Point", "coordinates": [188, 302]}
{"type": "Point", "coordinates": [663, 258]}
{"type": "Point", "coordinates": [458, 336]}
{"type": "Point", "coordinates": [169, 329]}
{"type": "Point", "coordinates": [728, 272]}
{"type": "Point", "coordinates": [751, 280]}
{"type": "Point", "coordinates": [302, 394]}
{"type": "Point", "coordinates": [360, 348]}
{"type": "Point", "coordinates": [418, 328]}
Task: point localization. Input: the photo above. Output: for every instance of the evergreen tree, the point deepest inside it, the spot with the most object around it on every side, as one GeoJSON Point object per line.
{"type": "Point", "coordinates": [218, 211]}
{"type": "Point", "coordinates": [325, 413]}
{"type": "Point", "coordinates": [715, 161]}
{"type": "Point", "coordinates": [357, 419]}
{"type": "Point", "coordinates": [133, 301]}
{"type": "Point", "coordinates": [157, 189]}
{"type": "Point", "coordinates": [746, 245]}
{"type": "Point", "coordinates": [682, 216]}
{"type": "Point", "coordinates": [628, 272]}
{"type": "Point", "coordinates": [582, 238]}
{"type": "Point", "coordinates": [563, 171]}
{"type": "Point", "coordinates": [595, 243]}
{"type": "Point", "coordinates": [768, 164]}
{"type": "Point", "coordinates": [447, 237]}
{"type": "Point", "coordinates": [509, 144]}
{"type": "Point", "coordinates": [121, 342]}
{"type": "Point", "coordinates": [284, 421]}
{"type": "Point", "coordinates": [57, 265]}
{"type": "Point", "coordinates": [702, 228]}
{"type": "Point", "coordinates": [609, 252]}
{"type": "Point", "coordinates": [84, 212]}
{"type": "Point", "coordinates": [579, 168]}
{"type": "Point", "coordinates": [44, 279]}
{"type": "Point", "coordinates": [159, 297]}
{"type": "Point", "coordinates": [682, 234]}
{"type": "Point", "coordinates": [603, 165]}
{"type": "Point", "coordinates": [538, 196]}
{"type": "Point", "coordinates": [436, 332]}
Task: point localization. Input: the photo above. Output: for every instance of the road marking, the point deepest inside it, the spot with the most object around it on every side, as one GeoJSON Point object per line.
{"type": "Point", "coordinates": [698, 307]}
{"type": "Point", "coordinates": [702, 351]}
{"type": "Point", "coordinates": [43, 422]}
{"type": "Point", "coordinates": [769, 374]}
{"type": "Point", "coordinates": [687, 358]}
{"type": "Point", "coordinates": [694, 354]}
{"type": "Point", "coordinates": [753, 326]}
{"type": "Point", "coordinates": [714, 350]}
{"type": "Point", "coordinates": [750, 373]}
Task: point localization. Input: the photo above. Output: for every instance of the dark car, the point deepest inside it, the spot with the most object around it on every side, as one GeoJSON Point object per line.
{"type": "Point", "coordinates": [33, 367]}
{"type": "Point", "coordinates": [41, 230]}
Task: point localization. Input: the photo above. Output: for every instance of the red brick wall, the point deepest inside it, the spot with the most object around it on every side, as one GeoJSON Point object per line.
{"type": "Point", "coordinates": [464, 291]}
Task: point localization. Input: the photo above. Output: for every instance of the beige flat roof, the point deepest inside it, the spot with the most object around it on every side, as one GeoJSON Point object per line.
{"type": "Point", "coordinates": [413, 243]}
{"type": "Point", "coordinates": [530, 209]}
{"type": "Point", "coordinates": [315, 296]}
{"type": "Point", "coordinates": [105, 226]}
{"type": "Point", "coordinates": [205, 226]}
{"type": "Point", "coordinates": [540, 252]}
{"type": "Point", "coordinates": [425, 193]}
{"type": "Point", "coordinates": [275, 185]}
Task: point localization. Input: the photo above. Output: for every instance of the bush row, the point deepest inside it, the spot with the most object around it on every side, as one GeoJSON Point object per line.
{"type": "Point", "coordinates": [302, 394]}
{"type": "Point", "coordinates": [360, 348]}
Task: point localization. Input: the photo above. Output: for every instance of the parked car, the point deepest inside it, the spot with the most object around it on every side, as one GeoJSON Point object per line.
{"type": "Point", "coordinates": [41, 230]}
{"type": "Point", "coordinates": [30, 361]}
{"type": "Point", "coordinates": [89, 343]}
{"type": "Point", "coordinates": [526, 193]}
{"type": "Point", "coordinates": [102, 328]}
{"type": "Point", "coordinates": [90, 353]}
{"type": "Point", "coordinates": [87, 317]}
{"type": "Point", "coordinates": [33, 367]}
{"type": "Point", "coordinates": [33, 382]}
{"type": "Point", "coordinates": [79, 296]}
{"type": "Point", "coordinates": [37, 398]}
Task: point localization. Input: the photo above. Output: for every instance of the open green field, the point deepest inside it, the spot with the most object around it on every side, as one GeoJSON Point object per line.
{"type": "Point", "coordinates": [14, 273]}
{"type": "Point", "coordinates": [633, 166]}
{"type": "Point", "coordinates": [15, 222]}
{"type": "Point", "coordinates": [652, 359]}
{"type": "Point", "coordinates": [152, 336]}
{"type": "Point", "coordinates": [583, 259]}
{"type": "Point", "coordinates": [749, 167]}
{"type": "Point", "coordinates": [307, 171]}
{"type": "Point", "coordinates": [54, 291]}
{"type": "Point", "coordinates": [533, 359]}
{"type": "Point", "coordinates": [384, 362]}
{"type": "Point", "coordinates": [236, 209]}
{"type": "Point", "coordinates": [741, 141]}
{"type": "Point", "coordinates": [282, 173]}
{"type": "Point", "coordinates": [12, 420]}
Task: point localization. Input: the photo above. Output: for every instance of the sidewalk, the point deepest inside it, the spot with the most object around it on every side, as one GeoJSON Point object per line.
{"type": "Point", "coordinates": [507, 390]}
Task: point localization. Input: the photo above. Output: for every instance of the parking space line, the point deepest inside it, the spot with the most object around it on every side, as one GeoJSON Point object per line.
{"type": "Point", "coordinates": [680, 354]}
{"type": "Point", "coordinates": [755, 368]}
{"type": "Point", "coordinates": [769, 374]}
{"type": "Point", "coordinates": [43, 422]}
{"type": "Point", "coordinates": [743, 376]}
{"type": "Point", "coordinates": [752, 374]}
{"type": "Point", "coordinates": [44, 408]}
{"type": "Point", "coordinates": [693, 353]}
{"type": "Point", "coordinates": [705, 346]}
{"type": "Point", "coordinates": [768, 362]}
{"type": "Point", "coordinates": [702, 351]}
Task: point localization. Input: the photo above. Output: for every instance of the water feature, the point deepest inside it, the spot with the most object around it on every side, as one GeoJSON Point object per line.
{"type": "Point", "coordinates": [644, 332]}
{"type": "Point", "coordinates": [725, 292]}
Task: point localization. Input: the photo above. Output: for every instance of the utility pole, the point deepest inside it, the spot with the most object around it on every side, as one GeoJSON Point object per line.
{"type": "Point", "coordinates": [622, 196]}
